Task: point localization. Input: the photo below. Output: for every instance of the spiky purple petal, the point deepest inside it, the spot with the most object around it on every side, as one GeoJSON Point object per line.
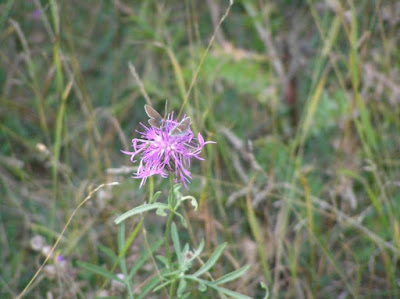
{"type": "Point", "coordinates": [162, 153]}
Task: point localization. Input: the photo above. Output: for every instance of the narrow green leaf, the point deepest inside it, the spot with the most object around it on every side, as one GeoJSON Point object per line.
{"type": "Point", "coordinates": [163, 260]}
{"type": "Point", "coordinates": [332, 35]}
{"type": "Point", "coordinates": [232, 275]}
{"type": "Point", "coordinates": [265, 287]}
{"type": "Point", "coordinates": [185, 249]}
{"type": "Point", "coordinates": [149, 286]}
{"type": "Point", "coordinates": [229, 292]}
{"type": "Point", "coordinates": [139, 210]}
{"type": "Point", "coordinates": [177, 187]}
{"type": "Point", "coordinates": [198, 251]}
{"type": "Point", "coordinates": [175, 241]}
{"type": "Point", "coordinates": [193, 201]}
{"type": "Point", "coordinates": [183, 220]}
{"type": "Point", "coordinates": [99, 270]}
{"type": "Point", "coordinates": [161, 212]}
{"type": "Point", "coordinates": [121, 236]}
{"type": "Point", "coordinates": [181, 287]}
{"type": "Point", "coordinates": [202, 287]}
{"type": "Point", "coordinates": [312, 107]}
{"type": "Point", "coordinates": [219, 289]}
{"type": "Point", "coordinates": [107, 251]}
{"type": "Point", "coordinates": [163, 285]}
{"type": "Point", "coordinates": [257, 233]}
{"type": "Point", "coordinates": [156, 196]}
{"type": "Point", "coordinates": [187, 295]}
{"type": "Point", "coordinates": [212, 260]}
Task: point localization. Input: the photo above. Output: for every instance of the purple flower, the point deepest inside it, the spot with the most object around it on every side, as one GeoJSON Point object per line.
{"type": "Point", "coordinates": [36, 14]}
{"type": "Point", "coordinates": [163, 150]}
{"type": "Point", "coordinates": [60, 258]}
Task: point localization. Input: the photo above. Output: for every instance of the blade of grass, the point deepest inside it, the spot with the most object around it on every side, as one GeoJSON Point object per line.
{"type": "Point", "coordinates": [61, 109]}
{"type": "Point", "coordinates": [256, 230]}
{"type": "Point", "coordinates": [354, 67]}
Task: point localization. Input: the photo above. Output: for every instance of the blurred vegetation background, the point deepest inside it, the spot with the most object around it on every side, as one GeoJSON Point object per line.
{"type": "Point", "coordinates": [301, 96]}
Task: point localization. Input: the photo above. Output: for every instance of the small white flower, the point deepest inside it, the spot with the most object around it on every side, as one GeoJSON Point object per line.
{"type": "Point", "coordinates": [37, 242]}
{"type": "Point", "coordinates": [46, 250]}
{"type": "Point", "coordinates": [117, 286]}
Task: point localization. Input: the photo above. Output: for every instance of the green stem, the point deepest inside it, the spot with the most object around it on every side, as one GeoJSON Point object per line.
{"type": "Point", "coordinates": [172, 289]}
{"type": "Point", "coordinates": [167, 238]}
{"type": "Point", "coordinates": [126, 278]}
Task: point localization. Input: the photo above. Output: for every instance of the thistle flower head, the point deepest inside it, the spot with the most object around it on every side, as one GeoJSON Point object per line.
{"type": "Point", "coordinates": [166, 149]}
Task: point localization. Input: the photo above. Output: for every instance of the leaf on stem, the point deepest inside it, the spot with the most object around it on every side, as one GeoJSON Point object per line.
{"type": "Point", "coordinates": [99, 270]}
{"type": "Point", "coordinates": [181, 287]}
{"type": "Point", "coordinates": [141, 209]}
{"type": "Point", "coordinates": [175, 241]}
{"type": "Point", "coordinates": [212, 260]}
{"type": "Point", "coordinates": [232, 275]}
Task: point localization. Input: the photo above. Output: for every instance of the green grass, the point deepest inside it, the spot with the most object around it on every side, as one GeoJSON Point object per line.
{"type": "Point", "coordinates": [301, 97]}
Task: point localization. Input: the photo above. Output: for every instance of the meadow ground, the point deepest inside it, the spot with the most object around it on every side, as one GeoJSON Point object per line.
{"type": "Point", "coordinates": [303, 184]}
